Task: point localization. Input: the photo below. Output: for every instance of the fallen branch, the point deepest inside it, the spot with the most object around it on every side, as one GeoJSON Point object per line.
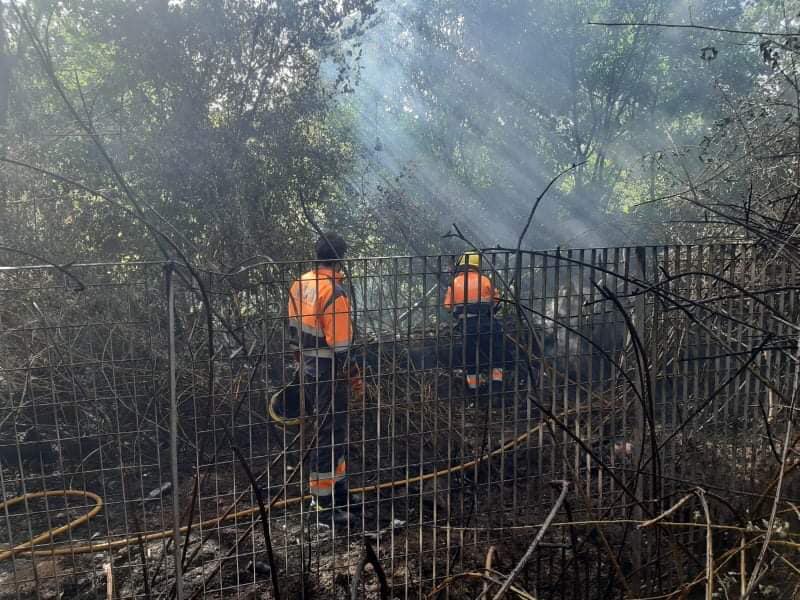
{"type": "Point", "coordinates": [667, 512]}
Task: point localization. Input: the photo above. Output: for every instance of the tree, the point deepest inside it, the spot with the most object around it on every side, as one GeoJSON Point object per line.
{"type": "Point", "coordinates": [489, 100]}
{"type": "Point", "coordinates": [218, 115]}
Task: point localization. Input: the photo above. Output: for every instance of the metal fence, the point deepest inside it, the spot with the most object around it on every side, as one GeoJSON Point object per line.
{"type": "Point", "coordinates": [638, 373]}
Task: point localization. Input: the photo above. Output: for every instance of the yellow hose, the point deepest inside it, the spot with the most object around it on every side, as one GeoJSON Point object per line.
{"type": "Point", "coordinates": [273, 413]}
{"type": "Point", "coordinates": [50, 533]}
{"type": "Point", "coordinates": [27, 549]}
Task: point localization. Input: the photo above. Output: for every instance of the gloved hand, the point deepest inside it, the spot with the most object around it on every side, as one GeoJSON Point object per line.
{"type": "Point", "coordinates": [356, 382]}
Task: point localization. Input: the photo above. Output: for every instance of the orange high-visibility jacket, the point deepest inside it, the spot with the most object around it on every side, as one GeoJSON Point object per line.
{"type": "Point", "coordinates": [319, 313]}
{"type": "Point", "coordinates": [470, 293]}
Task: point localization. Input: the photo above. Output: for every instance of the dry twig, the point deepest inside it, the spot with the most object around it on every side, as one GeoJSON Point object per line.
{"type": "Point", "coordinates": [529, 552]}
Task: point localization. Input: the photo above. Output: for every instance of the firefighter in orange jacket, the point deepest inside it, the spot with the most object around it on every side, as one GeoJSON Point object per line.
{"type": "Point", "coordinates": [321, 333]}
{"type": "Point", "coordinates": [473, 300]}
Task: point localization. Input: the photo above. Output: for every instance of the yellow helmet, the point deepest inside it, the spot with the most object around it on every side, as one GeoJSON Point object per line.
{"type": "Point", "coordinates": [473, 259]}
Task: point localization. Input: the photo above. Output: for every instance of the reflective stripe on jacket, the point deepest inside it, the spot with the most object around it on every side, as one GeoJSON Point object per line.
{"type": "Point", "coordinates": [319, 313]}
{"type": "Point", "coordinates": [470, 293]}
{"type": "Point", "coordinates": [323, 484]}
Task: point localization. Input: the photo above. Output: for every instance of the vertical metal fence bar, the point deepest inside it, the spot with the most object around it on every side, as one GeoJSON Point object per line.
{"type": "Point", "coordinates": [508, 401]}
{"type": "Point", "coordinates": [622, 261]}
{"type": "Point", "coordinates": [434, 432]}
{"type": "Point", "coordinates": [549, 376]}
{"type": "Point", "coordinates": [403, 361]}
{"type": "Point", "coordinates": [38, 480]}
{"type": "Point", "coordinates": [402, 412]}
{"type": "Point", "coordinates": [603, 387]}
{"type": "Point", "coordinates": [783, 358]}
{"type": "Point", "coordinates": [654, 337]}
{"type": "Point", "coordinates": [589, 312]}
{"type": "Point", "coordinates": [22, 482]}
{"type": "Point", "coordinates": [483, 433]}
{"type": "Point", "coordinates": [677, 381]}
{"type": "Point", "coordinates": [58, 441]}
{"type": "Point", "coordinates": [583, 401]}
{"type": "Point", "coordinates": [764, 394]}
{"type": "Point", "coordinates": [6, 367]}
{"type": "Point", "coordinates": [611, 376]}
{"type": "Point", "coordinates": [747, 390]}
{"type": "Point", "coordinates": [569, 392]}
{"type": "Point", "coordinates": [112, 394]}
{"type": "Point", "coordinates": [173, 433]}
{"type": "Point", "coordinates": [709, 258]}
{"type": "Point", "coordinates": [557, 382]}
{"type": "Point", "coordinates": [727, 363]}
{"type": "Point", "coordinates": [449, 485]}
{"type": "Point", "coordinates": [533, 388]}
{"type": "Point", "coordinates": [458, 487]}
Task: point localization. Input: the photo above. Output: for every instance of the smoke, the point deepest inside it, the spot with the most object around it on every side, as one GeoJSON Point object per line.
{"type": "Point", "coordinates": [398, 125]}
{"type": "Point", "coordinates": [484, 103]}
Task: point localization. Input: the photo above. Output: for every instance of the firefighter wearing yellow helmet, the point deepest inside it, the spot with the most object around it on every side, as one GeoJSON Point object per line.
{"type": "Point", "coordinates": [471, 259]}
{"type": "Point", "coordinates": [473, 301]}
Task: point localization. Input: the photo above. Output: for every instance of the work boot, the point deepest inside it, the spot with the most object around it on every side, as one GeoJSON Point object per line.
{"type": "Point", "coordinates": [497, 375]}
{"type": "Point", "coordinates": [344, 497]}
{"type": "Point", "coordinates": [472, 382]}
{"type": "Point", "coordinates": [337, 517]}
{"type": "Point", "coordinates": [496, 388]}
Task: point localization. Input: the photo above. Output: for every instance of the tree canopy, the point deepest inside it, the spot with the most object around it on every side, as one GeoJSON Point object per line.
{"type": "Point", "coordinates": [235, 128]}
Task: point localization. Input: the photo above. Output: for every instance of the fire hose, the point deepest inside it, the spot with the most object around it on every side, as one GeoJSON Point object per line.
{"type": "Point", "coordinates": [27, 548]}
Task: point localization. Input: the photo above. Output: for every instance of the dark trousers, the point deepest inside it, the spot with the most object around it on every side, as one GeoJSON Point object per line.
{"type": "Point", "coordinates": [482, 344]}
{"type": "Point", "coordinates": [325, 391]}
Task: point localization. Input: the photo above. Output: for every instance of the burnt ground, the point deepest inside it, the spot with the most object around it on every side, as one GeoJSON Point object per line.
{"type": "Point", "coordinates": [422, 532]}
{"type": "Point", "coordinates": [407, 525]}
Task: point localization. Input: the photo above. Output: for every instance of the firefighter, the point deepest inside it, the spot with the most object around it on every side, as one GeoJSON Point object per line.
{"type": "Point", "coordinates": [321, 333]}
{"type": "Point", "coordinates": [474, 301]}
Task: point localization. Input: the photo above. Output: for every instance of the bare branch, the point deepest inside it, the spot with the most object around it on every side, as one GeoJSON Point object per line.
{"type": "Point", "coordinates": [529, 552]}
{"type": "Point", "coordinates": [689, 26]}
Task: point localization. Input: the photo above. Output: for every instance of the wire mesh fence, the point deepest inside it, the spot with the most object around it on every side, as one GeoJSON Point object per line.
{"type": "Point", "coordinates": [635, 374]}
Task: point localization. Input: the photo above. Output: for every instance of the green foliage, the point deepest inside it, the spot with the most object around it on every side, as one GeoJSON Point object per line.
{"type": "Point", "coordinates": [505, 94]}
{"type": "Point", "coordinates": [217, 114]}
{"type": "Point", "coordinates": [223, 117]}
